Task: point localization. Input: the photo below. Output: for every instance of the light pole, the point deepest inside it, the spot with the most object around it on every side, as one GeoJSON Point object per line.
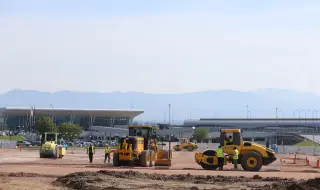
{"type": "Point", "coordinates": [51, 116]}
{"type": "Point", "coordinates": [247, 108]}
{"type": "Point", "coordinates": [316, 119]}
{"type": "Point", "coordinates": [305, 120]}
{"type": "Point", "coordinates": [277, 110]}
{"type": "Point", "coordinates": [169, 113]}
{"type": "Point", "coordinates": [277, 126]}
{"type": "Point", "coordinates": [248, 115]}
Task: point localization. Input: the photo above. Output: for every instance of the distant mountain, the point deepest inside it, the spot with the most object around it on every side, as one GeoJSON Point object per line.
{"type": "Point", "coordinates": [220, 103]}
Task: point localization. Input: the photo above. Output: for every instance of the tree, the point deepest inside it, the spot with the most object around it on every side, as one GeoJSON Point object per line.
{"type": "Point", "coordinates": [69, 131]}
{"type": "Point", "coordinates": [45, 124]}
{"type": "Point", "coordinates": [200, 134]}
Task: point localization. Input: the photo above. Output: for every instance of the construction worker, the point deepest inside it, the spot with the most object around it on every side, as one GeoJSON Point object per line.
{"type": "Point", "coordinates": [220, 156]}
{"type": "Point", "coordinates": [235, 158]}
{"type": "Point", "coordinates": [267, 143]}
{"type": "Point", "coordinates": [107, 153]}
{"type": "Point", "coordinates": [90, 152]}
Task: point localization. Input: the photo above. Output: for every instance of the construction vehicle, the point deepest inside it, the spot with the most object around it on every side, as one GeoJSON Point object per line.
{"type": "Point", "coordinates": [252, 156]}
{"type": "Point", "coordinates": [50, 147]}
{"type": "Point", "coordinates": [185, 144]}
{"type": "Point", "coordinates": [140, 148]}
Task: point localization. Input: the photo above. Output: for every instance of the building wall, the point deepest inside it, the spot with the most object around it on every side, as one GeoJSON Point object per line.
{"type": "Point", "coordinates": [258, 125]}
{"type": "Point", "coordinates": [27, 123]}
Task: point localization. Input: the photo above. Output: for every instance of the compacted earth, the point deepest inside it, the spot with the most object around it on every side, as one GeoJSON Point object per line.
{"type": "Point", "coordinates": [25, 170]}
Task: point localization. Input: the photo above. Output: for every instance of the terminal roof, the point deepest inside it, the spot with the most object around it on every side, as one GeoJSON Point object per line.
{"type": "Point", "coordinates": [20, 111]}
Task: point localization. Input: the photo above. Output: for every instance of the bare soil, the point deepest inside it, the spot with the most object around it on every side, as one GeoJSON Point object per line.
{"type": "Point", "coordinates": [25, 170]}
{"type": "Point", "coordinates": [104, 179]}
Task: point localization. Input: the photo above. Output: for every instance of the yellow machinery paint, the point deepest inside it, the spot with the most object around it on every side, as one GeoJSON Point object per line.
{"type": "Point", "coordinates": [50, 147]}
{"type": "Point", "coordinates": [140, 148]}
{"type": "Point", "coordinates": [252, 156]}
{"type": "Point", "coordinates": [185, 144]}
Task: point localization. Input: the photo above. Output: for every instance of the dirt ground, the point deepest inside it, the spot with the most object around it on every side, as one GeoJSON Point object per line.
{"type": "Point", "coordinates": [25, 170]}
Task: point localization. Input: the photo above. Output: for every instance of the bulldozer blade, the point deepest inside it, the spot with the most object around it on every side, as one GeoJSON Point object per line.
{"type": "Point", "coordinates": [163, 162]}
{"type": "Point", "coordinates": [163, 158]}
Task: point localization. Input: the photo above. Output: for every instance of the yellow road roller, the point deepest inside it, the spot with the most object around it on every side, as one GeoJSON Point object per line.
{"type": "Point", "coordinates": [252, 156]}
{"type": "Point", "coordinates": [185, 144]}
{"type": "Point", "coordinates": [50, 147]}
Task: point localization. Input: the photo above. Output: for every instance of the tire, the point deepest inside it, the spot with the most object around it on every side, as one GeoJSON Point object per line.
{"type": "Point", "coordinates": [145, 158]}
{"type": "Point", "coordinates": [251, 161]}
{"type": "Point", "coordinates": [41, 156]}
{"type": "Point", "coordinates": [115, 159]}
{"type": "Point", "coordinates": [152, 158]}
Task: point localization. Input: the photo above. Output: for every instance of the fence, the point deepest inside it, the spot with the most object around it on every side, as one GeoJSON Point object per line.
{"type": "Point", "coordinates": [8, 144]}
{"type": "Point", "coordinates": [313, 150]}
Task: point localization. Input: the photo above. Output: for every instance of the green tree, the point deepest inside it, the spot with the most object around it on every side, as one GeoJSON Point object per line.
{"type": "Point", "coordinates": [200, 134]}
{"type": "Point", "coordinates": [69, 131]}
{"type": "Point", "coordinates": [45, 124]}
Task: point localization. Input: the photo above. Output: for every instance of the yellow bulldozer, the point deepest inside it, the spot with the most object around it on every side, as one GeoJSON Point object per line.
{"type": "Point", "coordinates": [50, 147]}
{"type": "Point", "coordinates": [185, 144]}
{"type": "Point", "coordinates": [140, 148]}
{"type": "Point", "coordinates": [252, 156]}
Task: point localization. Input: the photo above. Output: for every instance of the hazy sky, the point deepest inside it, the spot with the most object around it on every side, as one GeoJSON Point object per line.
{"type": "Point", "coordinates": [162, 46]}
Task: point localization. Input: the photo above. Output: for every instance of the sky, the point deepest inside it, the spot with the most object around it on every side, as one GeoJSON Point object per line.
{"type": "Point", "coordinates": [159, 46]}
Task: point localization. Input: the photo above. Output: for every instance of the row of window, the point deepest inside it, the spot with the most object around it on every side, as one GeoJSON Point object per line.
{"type": "Point", "coordinates": [85, 122]}
{"type": "Point", "coordinates": [278, 128]}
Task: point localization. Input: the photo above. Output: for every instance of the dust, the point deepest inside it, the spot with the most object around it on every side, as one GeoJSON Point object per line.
{"type": "Point", "coordinates": [123, 180]}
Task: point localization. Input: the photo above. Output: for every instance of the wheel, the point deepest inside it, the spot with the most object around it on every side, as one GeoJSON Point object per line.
{"type": "Point", "coordinates": [177, 148]}
{"type": "Point", "coordinates": [208, 167]}
{"type": "Point", "coordinates": [116, 161]}
{"type": "Point", "coordinates": [209, 153]}
{"type": "Point", "coordinates": [152, 158]}
{"type": "Point", "coordinates": [41, 156]}
{"type": "Point", "coordinates": [190, 148]}
{"type": "Point", "coordinates": [251, 161]}
{"type": "Point", "coordinates": [210, 159]}
{"type": "Point", "coordinates": [145, 158]}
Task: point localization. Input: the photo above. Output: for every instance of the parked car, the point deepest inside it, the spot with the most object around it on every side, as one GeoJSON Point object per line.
{"type": "Point", "coordinates": [23, 143]}
{"type": "Point", "coordinates": [36, 143]}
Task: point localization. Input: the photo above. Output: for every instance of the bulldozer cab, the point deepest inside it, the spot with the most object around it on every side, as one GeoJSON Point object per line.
{"type": "Point", "coordinates": [229, 144]}
{"type": "Point", "coordinates": [146, 133]}
{"type": "Point", "coordinates": [184, 140]}
{"type": "Point", "coordinates": [49, 136]}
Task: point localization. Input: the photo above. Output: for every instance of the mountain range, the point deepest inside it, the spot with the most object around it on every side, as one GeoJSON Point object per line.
{"type": "Point", "coordinates": [218, 103]}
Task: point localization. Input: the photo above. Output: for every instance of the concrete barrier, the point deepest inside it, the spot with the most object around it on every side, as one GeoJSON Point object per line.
{"type": "Point", "coordinates": [8, 144]}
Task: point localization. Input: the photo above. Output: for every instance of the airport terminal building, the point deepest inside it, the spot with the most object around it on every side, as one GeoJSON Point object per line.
{"type": "Point", "coordinates": [282, 130]}
{"type": "Point", "coordinates": [17, 118]}
{"type": "Point", "coordinates": [298, 125]}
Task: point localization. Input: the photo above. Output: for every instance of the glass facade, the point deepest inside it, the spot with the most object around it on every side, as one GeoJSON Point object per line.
{"type": "Point", "coordinates": [266, 128]}
{"type": "Point", "coordinates": [27, 123]}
